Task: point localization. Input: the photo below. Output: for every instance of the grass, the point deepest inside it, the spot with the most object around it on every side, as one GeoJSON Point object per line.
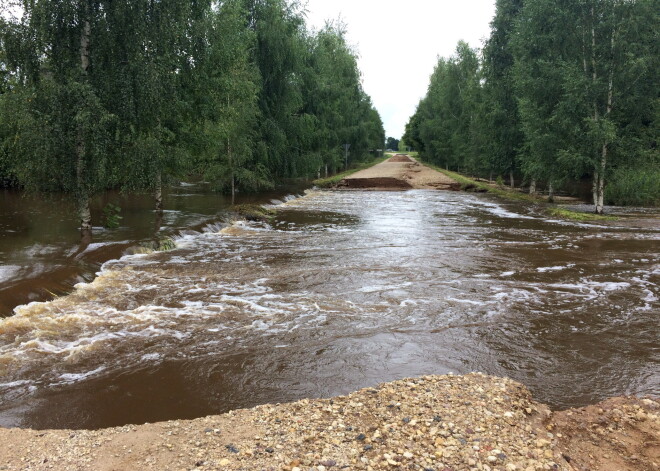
{"type": "Point", "coordinates": [332, 181]}
{"type": "Point", "coordinates": [468, 184]}
{"type": "Point", "coordinates": [162, 244]}
{"type": "Point", "coordinates": [253, 212]}
{"type": "Point", "coordinates": [577, 216]}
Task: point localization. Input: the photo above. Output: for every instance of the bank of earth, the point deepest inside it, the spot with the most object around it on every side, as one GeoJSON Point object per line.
{"type": "Point", "coordinates": [400, 172]}
{"type": "Point", "coordinates": [441, 423]}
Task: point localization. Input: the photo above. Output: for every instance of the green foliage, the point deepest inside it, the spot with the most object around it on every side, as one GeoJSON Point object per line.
{"type": "Point", "coordinates": [578, 216]}
{"type": "Point", "coordinates": [111, 217]}
{"type": "Point", "coordinates": [253, 212]}
{"type": "Point", "coordinates": [392, 143]}
{"type": "Point", "coordinates": [161, 244]}
{"type": "Point", "coordinates": [563, 91]}
{"type": "Point", "coordinates": [103, 94]}
{"type": "Point", "coordinates": [444, 127]}
{"type": "Point", "coordinates": [634, 186]}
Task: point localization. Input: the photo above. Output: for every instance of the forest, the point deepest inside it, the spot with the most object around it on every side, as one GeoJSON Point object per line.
{"type": "Point", "coordinates": [131, 95]}
{"type": "Point", "coordinates": [564, 94]}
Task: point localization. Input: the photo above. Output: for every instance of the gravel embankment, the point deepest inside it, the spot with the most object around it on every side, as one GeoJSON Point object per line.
{"type": "Point", "coordinates": [399, 173]}
{"type": "Point", "coordinates": [439, 423]}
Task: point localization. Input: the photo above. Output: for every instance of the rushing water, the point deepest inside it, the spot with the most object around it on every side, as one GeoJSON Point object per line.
{"type": "Point", "coordinates": [343, 290]}
{"type": "Point", "coordinates": [42, 252]}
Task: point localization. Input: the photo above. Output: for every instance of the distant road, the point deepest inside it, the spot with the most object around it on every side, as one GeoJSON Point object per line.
{"type": "Point", "coordinates": [400, 172]}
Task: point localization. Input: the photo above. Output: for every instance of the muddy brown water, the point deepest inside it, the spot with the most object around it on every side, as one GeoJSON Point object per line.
{"type": "Point", "coordinates": [344, 290]}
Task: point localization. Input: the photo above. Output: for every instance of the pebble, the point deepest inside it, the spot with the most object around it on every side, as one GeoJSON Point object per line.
{"type": "Point", "coordinates": [434, 423]}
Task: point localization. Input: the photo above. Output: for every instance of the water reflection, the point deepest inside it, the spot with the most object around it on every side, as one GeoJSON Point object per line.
{"type": "Point", "coordinates": [43, 253]}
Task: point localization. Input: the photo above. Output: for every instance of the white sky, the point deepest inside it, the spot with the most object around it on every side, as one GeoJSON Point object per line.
{"type": "Point", "coordinates": [399, 43]}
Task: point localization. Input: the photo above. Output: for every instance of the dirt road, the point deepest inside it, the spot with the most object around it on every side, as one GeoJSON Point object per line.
{"type": "Point", "coordinates": [400, 172]}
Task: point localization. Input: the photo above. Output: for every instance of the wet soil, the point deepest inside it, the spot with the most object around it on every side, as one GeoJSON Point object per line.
{"type": "Point", "coordinates": [381, 183]}
{"type": "Point", "coordinates": [401, 158]}
{"type": "Point", "coordinates": [618, 434]}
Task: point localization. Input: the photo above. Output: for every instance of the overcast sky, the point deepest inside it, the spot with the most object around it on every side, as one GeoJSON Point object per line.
{"type": "Point", "coordinates": [399, 42]}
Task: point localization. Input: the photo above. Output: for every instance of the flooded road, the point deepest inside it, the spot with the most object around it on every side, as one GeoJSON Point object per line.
{"type": "Point", "coordinates": [41, 250]}
{"type": "Point", "coordinates": [342, 291]}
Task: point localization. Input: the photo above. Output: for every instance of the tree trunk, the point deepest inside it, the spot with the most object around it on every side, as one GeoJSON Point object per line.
{"type": "Point", "coordinates": [513, 182]}
{"type": "Point", "coordinates": [551, 193]}
{"type": "Point", "coordinates": [83, 194]}
{"type": "Point", "coordinates": [233, 189]}
{"type": "Point", "coordinates": [594, 188]}
{"type": "Point", "coordinates": [158, 193]}
{"type": "Point", "coordinates": [85, 36]}
{"type": "Point", "coordinates": [601, 183]}
{"type": "Point", "coordinates": [230, 160]}
{"type": "Point", "coordinates": [532, 187]}
{"type": "Point", "coordinates": [158, 223]}
{"type": "Point", "coordinates": [326, 170]}
{"type": "Point", "coordinates": [84, 213]}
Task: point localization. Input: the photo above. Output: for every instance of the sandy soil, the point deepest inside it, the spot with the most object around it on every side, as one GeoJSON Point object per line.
{"type": "Point", "coordinates": [400, 172]}
{"type": "Point", "coordinates": [439, 423]}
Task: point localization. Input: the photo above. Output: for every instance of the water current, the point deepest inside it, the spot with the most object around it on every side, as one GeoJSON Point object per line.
{"type": "Point", "coordinates": [343, 290]}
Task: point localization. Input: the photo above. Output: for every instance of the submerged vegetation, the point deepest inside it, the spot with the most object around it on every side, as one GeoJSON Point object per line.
{"type": "Point", "coordinates": [578, 216]}
{"type": "Point", "coordinates": [473, 185]}
{"type": "Point", "coordinates": [253, 212]}
{"type": "Point", "coordinates": [562, 92]}
{"type": "Point", "coordinates": [129, 95]}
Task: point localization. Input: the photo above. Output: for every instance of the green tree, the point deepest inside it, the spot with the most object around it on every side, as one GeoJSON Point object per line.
{"type": "Point", "coordinates": [445, 126]}
{"type": "Point", "coordinates": [392, 143]}
{"type": "Point", "coordinates": [501, 124]}
{"type": "Point", "coordinates": [227, 84]}
{"type": "Point", "coordinates": [57, 127]}
{"type": "Point", "coordinates": [582, 69]}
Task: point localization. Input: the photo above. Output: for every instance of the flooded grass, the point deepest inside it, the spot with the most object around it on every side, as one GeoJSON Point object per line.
{"type": "Point", "coordinates": [470, 184]}
{"type": "Point", "coordinates": [579, 216]}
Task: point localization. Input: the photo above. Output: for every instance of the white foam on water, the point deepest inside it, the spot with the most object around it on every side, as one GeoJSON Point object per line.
{"type": "Point", "coordinates": [14, 384]}
{"type": "Point", "coordinates": [75, 377]}
{"type": "Point", "coordinates": [151, 357]}
{"type": "Point", "coordinates": [608, 285]}
{"type": "Point", "coordinates": [7, 272]}
{"type": "Point", "coordinates": [508, 273]}
{"type": "Point", "coordinates": [408, 302]}
{"type": "Point", "coordinates": [379, 288]}
{"type": "Point", "coordinates": [650, 297]}
{"type": "Point", "coordinates": [468, 301]}
{"type": "Point", "coordinates": [555, 268]}
{"type": "Point", "coordinates": [501, 212]}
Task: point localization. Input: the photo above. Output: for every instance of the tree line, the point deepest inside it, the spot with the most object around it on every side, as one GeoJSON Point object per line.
{"type": "Point", "coordinates": [129, 95]}
{"type": "Point", "coordinates": [563, 91]}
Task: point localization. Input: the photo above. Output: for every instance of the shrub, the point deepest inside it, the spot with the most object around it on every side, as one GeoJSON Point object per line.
{"type": "Point", "coordinates": [634, 187]}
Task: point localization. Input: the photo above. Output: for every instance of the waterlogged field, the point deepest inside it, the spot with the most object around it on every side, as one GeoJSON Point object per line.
{"type": "Point", "coordinates": [343, 290]}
